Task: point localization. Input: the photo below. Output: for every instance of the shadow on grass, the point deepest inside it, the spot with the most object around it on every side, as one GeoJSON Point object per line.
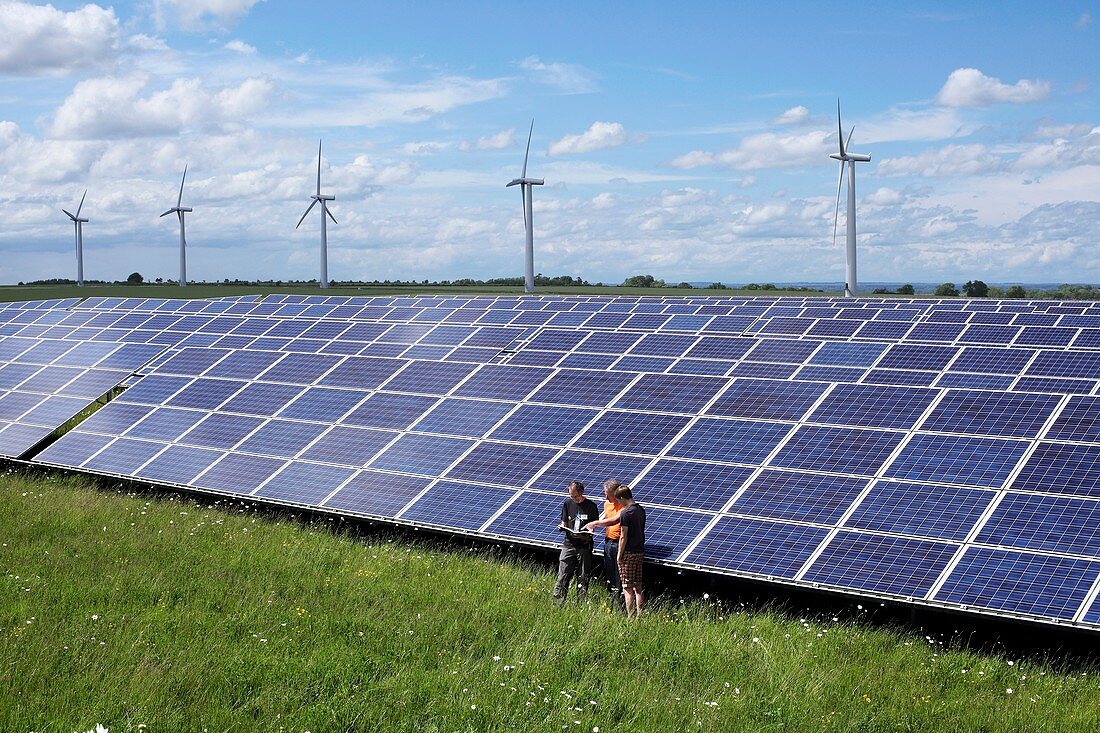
{"type": "Point", "coordinates": [668, 588]}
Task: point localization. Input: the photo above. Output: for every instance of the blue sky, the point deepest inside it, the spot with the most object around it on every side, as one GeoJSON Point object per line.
{"type": "Point", "coordinates": [685, 140]}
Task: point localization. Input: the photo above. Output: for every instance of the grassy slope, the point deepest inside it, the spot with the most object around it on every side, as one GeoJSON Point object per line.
{"type": "Point", "coordinates": [15, 292]}
{"type": "Point", "coordinates": [128, 611]}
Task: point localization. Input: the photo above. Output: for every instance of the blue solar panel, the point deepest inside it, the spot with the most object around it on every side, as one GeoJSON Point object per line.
{"type": "Point", "coordinates": [202, 394]}
{"type": "Point", "coordinates": [1020, 582]}
{"type": "Point", "coordinates": [427, 377]}
{"type": "Point", "coordinates": [920, 510]}
{"type": "Point", "coordinates": [582, 388]}
{"type": "Point", "coordinates": [1079, 420]}
{"type": "Point", "coordinates": [591, 469]}
{"type": "Point", "coordinates": [668, 532]}
{"type": "Point", "coordinates": [631, 432]}
{"type": "Point", "coordinates": [221, 431]}
{"type": "Point", "coordinates": [1063, 469]}
{"type": "Point", "coordinates": [244, 364]}
{"type": "Point", "coordinates": [798, 496]}
{"type": "Point", "coordinates": [421, 454]}
{"type": "Point", "coordinates": [1045, 523]}
{"type": "Point", "coordinates": [670, 393]}
{"type": "Point", "coordinates": [348, 446]}
{"type": "Point", "coordinates": [466, 418]}
{"type": "Point", "coordinates": [901, 566]}
{"type": "Point", "coordinates": [544, 424]}
{"type": "Point", "coordinates": [282, 438]}
{"type": "Point", "coordinates": [258, 398]}
{"type": "Point", "coordinates": [384, 410]}
{"type": "Point", "coordinates": [502, 463]}
{"type": "Point", "coordinates": [873, 406]}
{"type": "Point", "coordinates": [304, 483]}
{"type": "Point", "coordinates": [191, 361]}
{"type": "Point", "coordinates": [838, 450]}
{"type": "Point", "coordinates": [503, 382]}
{"type": "Point", "coordinates": [975, 381]}
{"type": "Point", "coordinates": [1054, 385]}
{"type": "Point", "coordinates": [124, 456]}
{"type": "Point", "coordinates": [763, 371]}
{"type": "Point", "coordinates": [239, 473]}
{"type": "Point", "coordinates": [322, 404]}
{"type": "Point", "coordinates": [957, 460]}
{"type": "Point", "coordinates": [73, 448]}
{"type": "Point", "coordinates": [757, 546]}
{"type": "Point", "coordinates": [990, 413]}
{"type": "Point", "coordinates": [532, 516]}
{"type": "Point", "coordinates": [913, 356]}
{"type": "Point", "coordinates": [178, 464]}
{"type": "Point", "coordinates": [790, 352]}
{"type": "Point", "coordinates": [376, 493]}
{"type": "Point", "coordinates": [691, 485]}
{"type": "Point", "coordinates": [731, 441]}
{"type": "Point", "coordinates": [462, 506]}
{"type": "Point", "coordinates": [767, 400]}
{"type": "Point", "coordinates": [165, 424]}
{"type": "Point", "coordinates": [1073, 364]}
{"type": "Point", "coordinates": [716, 347]}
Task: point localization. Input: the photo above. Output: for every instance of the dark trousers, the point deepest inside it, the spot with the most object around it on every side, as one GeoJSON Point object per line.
{"type": "Point", "coordinates": [611, 567]}
{"type": "Point", "coordinates": [574, 560]}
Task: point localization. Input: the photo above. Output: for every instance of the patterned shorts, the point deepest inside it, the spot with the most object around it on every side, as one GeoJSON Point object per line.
{"type": "Point", "coordinates": [630, 570]}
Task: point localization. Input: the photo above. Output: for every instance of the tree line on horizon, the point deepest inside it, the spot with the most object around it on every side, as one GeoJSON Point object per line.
{"type": "Point", "coordinates": [971, 288]}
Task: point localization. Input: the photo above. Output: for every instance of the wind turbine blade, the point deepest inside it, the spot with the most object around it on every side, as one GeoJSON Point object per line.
{"type": "Point", "coordinates": [306, 214]}
{"type": "Point", "coordinates": [331, 216]}
{"type": "Point", "coordinates": [839, 130]}
{"type": "Point", "coordinates": [528, 153]}
{"type": "Point", "coordinates": [836, 215]}
{"type": "Point", "coordinates": [318, 167]}
{"type": "Point", "coordinates": [179, 215]}
{"type": "Point", "coordinates": [848, 144]}
{"type": "Point", "coordinates": [179, 201]}
{"type": "Point", "coordinates": [166, 213]}
{"type": "Point", "coordinates": [523, 206]}
{"type": "Point", "coordinates": [78, 208]}
{"type": "Point", "coordinates": [66, 212]}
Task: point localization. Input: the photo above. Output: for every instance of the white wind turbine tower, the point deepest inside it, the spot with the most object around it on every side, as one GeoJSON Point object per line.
{"type": "Point", "coordinates": [179, 210]}
{"type": "Point", "coordinates": [323, 199]}
{"type": "Point", "coordinates": [850, 280]}
{"type": "Point", "coordinates": [525, 187]}
{"type": "Point", "coordinates": [79, 224]}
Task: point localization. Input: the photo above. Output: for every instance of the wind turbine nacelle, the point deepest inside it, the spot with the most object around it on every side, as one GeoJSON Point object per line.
{"type": "Point", "coordinates": [858, 157]}
{"type": "Point", "coordinates": [323, 197]}
{"type": "Point", "coordinates": [837, 156]}
{"type": "Point", "coordinates": [526, 181]}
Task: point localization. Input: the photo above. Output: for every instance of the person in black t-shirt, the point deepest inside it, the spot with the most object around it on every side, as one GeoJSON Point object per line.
{"type": "Point", "coordinates": [576, 546]}
{"type": "Point", "coordinates": [631, 521]}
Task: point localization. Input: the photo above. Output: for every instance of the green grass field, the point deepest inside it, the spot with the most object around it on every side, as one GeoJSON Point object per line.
{"type": "Point", "coordinates": [34, 292]}
{"type": "Point", "coordinates": [147, 613]}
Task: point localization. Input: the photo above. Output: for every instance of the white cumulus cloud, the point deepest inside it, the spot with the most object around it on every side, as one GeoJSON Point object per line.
{"type": "Point", "coordinates": [40, 39]}
{"type": "Point", "coordinates": [950, 160]}
{"type": "Point", "coordinates": [496, 141]}
{"type": "Point", "coordinates": [765, 150]}
{"type": "Point", "coordinates": [972, 88]}
{"type": "Point", "coordinates": [599, 135]}
{"type": "Point", "coordinates": [569, 78]}
{"type": "Point", "coordinates": [112, 107]}
{"type": "Point", "coordinates": [239, 46]}
{"type": "Point", "coordinates": [196, 15]}
{"type": "Point", "coordinates": [794, 116]}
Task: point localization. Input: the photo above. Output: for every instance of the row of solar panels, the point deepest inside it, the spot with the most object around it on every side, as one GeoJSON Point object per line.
{"type": "Point", "coordinates": [1065, 371]}
{"type": "Point", "coordinates": [956, 497]}
{"type": "Point", "coordinates": [783, 520]}
{"type": "Point", "coordinates": [570, 311]}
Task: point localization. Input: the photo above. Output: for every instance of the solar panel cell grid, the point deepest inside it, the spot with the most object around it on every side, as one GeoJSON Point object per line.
{"type": "Point", "coordinates": [761, 547]}
{"type": "Point", "coordinates": [798, 497]}
{"type": "Point", "coordinates": [895, 565]}
{"type": "Point", "coordinates": [1020, 582]}
{"type": "Point", "coordinates": [920, 510]}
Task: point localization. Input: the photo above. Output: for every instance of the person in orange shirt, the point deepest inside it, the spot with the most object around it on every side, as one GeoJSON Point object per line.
{"type": "Point", "coordinates": [611, 509]}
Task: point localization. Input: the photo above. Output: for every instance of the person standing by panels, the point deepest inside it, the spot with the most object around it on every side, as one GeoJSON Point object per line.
{"type": "Point", "coordinates": [576, 546]}
{"type": "Point", "coordinates": [611, 509]}
{"type": "Point", "coordinates": [631, 550]}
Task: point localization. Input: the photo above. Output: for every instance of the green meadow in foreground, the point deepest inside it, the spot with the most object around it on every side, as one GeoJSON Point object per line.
{"type": "Point", "coordinates": [168, 614]}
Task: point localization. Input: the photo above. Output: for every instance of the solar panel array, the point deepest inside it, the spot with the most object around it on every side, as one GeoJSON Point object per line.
{"type": "Point", "coordinates": [942, 452]}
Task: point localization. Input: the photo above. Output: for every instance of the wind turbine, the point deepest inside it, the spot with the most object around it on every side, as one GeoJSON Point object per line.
{"type": "Point", "coordinates": [850, 281]}
{"type": "Point", "coordinates": [324, 199]}
{"type": "Point", "coordinates": [180, 210]}
{"type": "Point", "coordinates": [525, 187]}
{"type": "Point", "coordinates": [79, 224]}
